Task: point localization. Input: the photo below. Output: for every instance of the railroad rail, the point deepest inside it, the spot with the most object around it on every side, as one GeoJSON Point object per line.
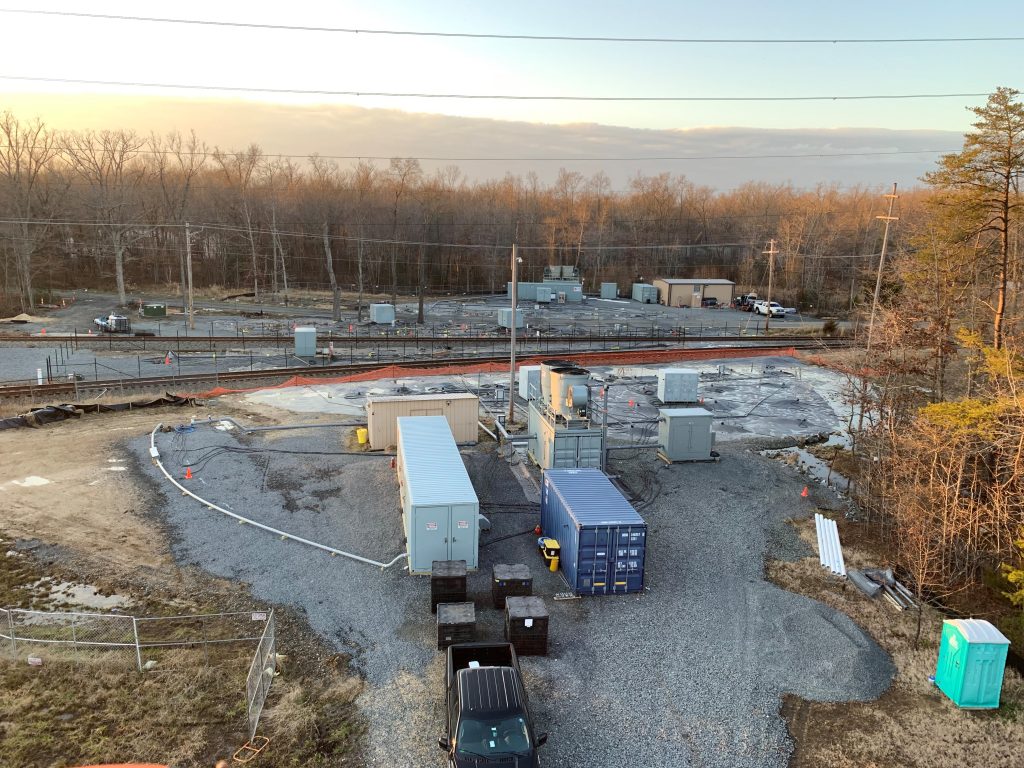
{"type": "Point", "coordinates": [276, 375]}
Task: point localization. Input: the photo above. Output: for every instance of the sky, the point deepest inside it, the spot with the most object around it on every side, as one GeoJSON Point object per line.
{"type": "Point", "coordinates": [46, 46]}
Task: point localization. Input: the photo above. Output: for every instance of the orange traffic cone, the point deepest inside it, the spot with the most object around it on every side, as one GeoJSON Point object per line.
{"type": "Point", "coordinates": [804, 492]}
{"type": "Point", "coordinates": [167, 359]}
{"type": "Point", "coordinates": [188, 473]}
{"type": "Point", "coordinates": [42, 332]}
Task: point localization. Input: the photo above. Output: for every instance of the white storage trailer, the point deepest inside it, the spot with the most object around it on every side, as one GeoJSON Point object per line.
{"type": "Point", "coordinates": [461, 409]}
{"type": "Point", "coordinates": [440, 509]}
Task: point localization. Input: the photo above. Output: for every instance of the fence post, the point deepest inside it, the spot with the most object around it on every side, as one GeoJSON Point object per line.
{"type": "Point", "coordinates": [138, 651]}
{"type": "Point", "coordinates": [14, 640]}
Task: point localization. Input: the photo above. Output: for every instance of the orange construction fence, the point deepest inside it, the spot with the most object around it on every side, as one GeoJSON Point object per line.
{"type": "Point", "coordinates": [620, 357]}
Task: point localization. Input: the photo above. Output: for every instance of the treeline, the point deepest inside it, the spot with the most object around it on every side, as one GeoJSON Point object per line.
{"type": "Point", "coordinates": [109, 208]}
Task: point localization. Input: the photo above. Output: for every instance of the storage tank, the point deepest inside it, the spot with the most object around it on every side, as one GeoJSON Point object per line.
{"type": "Point", "coordinates": [678, 385]}
{"type": "Point", "coordinates": [440, 509]}
{"type": "Point", "coordinates": [546, 366]}
{"type": "Point", "coordinates": [569, 391]}
{"type": "Point", "coordinates": [972, 659]}
{"type": "Point", "coordinates": [609, 290]}
{"type": "Point", "coordinates": [382, 313]}
{"type": "Point", "coordinates": [305, 342]}
{"type": "Point", "coordinates": [602, 538]}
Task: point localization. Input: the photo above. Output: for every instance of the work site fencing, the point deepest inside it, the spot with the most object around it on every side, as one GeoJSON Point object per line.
{"type": "Point", "coordinates": [261, 675]}
{"type": "Point", "coordinates": [151, 642]}
{"type": "Point", "coordinates": [66, 635]}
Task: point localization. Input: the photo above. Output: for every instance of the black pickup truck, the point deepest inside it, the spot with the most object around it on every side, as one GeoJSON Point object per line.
{"type": "Point", "coordinates": [488, 716]}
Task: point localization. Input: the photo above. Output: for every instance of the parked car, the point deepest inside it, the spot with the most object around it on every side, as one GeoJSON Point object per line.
{"type": "Point", "coordinates": [745, 303]}
{"type": "Point", "coordinates": [487, 710]}
{"type": "Point", "coordinates": [711, 301]}
{"type": "Point", "coordinates": [772, 308]}
{"type": "Point", "coordinates": [114, 323]}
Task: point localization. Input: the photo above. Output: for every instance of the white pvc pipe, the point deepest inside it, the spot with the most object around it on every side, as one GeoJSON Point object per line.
{"type": "Point", "coordinates": [155, 454]}
{"type": "Point", "coordinates": [485, 429]}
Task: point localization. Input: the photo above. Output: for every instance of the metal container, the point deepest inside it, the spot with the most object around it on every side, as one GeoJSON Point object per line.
{"type": "Point", "coordinates": [461, 409]}
{"type": "Point", "coordinates": [546, 366]}
{"type": "Point", "coordinates": [383, 314]}
{"type": "Point", "coordinates": [456, 623]}
{"type": "Point", "coordinates": [153, 310]}
{"type": "Point", "coordinates": [510, 581]}
{"type": "Point", "coordinates": [972, 659]}
{"type": "Point", "coordinates": [603, 539]}
{"type": "Point", "coordinates": [678, 385]}
{"type": "Point", "coordinates": [557, 445]}
{"type": "Point", "coordinates": [505, 317]}
{"type": "Point", "coordinates": [609, 290]}
{"type": "Point", "coordinates": [526, 625]}
{"type": "Point", "coordinates": [440, 509]}
{"type": "Point", "coordinates": [305, 342]}
{"type": "Point", "coordinates": [644, 293]}
{"type": "Point", "coordinates": [684, 434]}
{"type": "Point", "coordinates": [447, 582]}
{"type": "Point", "coordinates": [529, 382]}
{"type": "Point", "coordinates": [569, 394]}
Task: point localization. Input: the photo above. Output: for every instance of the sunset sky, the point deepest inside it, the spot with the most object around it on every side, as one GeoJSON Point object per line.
{"type": "Point", "coordinates": [148, 52]}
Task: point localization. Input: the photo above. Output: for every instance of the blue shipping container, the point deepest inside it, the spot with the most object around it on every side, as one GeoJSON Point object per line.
{"type": "Point", "coordinates": [603, 539]}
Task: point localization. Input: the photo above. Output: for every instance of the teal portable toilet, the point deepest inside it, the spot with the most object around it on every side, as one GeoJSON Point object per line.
{"type": "Point", "coordinates": [972, 657]}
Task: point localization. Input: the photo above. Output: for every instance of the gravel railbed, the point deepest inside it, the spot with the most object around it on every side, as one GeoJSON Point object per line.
{"type": "Point", "coordinates": [689, 673]}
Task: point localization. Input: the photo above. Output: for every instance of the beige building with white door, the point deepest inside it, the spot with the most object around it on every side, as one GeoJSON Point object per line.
{"type": "Point", "coordinates": [461, 409]}
{"type": "Point", "coordinates": [691, 292]}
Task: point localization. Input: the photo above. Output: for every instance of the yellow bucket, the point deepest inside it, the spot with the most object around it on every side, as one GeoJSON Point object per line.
{"type": "Point", "coordinates": [362, 435]}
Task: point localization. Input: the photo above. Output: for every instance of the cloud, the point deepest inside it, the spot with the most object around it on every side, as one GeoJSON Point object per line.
{"type": "Point", "coordinates": [353, 131]}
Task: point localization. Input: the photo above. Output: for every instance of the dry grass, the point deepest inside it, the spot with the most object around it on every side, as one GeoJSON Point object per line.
{"type": "Point", "coordinates": [913, 724]}
{"type": "Point", "coordinates": [188, 712]}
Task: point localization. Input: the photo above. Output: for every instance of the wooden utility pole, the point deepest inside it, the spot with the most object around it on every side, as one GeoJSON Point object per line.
{"type": "Point", "coordinates": [771, 273]}
{"type": "Point", "coordinates": [881, 260]}
{"type": "Point", "coordinates": [512, 323]}
{"type": "Point", "coordinates": [191, 308]}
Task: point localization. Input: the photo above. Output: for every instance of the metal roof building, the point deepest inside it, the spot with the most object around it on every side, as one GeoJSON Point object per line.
{"type": "Point", "coordinates": [692, 291]}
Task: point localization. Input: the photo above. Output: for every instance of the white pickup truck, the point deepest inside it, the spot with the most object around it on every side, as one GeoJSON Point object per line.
{"type": "Point", "coordinates": [772, 308]}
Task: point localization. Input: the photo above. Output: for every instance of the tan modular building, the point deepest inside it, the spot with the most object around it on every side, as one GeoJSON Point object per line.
{"type": "Point", "coordinates": [691, 292]}
{"type": "Point", "coordinates": [461, 409]}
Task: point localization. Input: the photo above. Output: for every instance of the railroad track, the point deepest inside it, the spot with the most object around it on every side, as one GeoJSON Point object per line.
{"type": "Point", "coordinates": [277, 375]}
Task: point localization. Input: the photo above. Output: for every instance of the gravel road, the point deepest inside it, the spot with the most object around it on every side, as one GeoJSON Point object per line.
{"type": "Point", "coordinates": [690, 673]}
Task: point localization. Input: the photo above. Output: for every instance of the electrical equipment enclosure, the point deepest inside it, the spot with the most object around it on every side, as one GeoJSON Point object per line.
{"type": "Point", "coordinates": [462, 409]}
{"type": "Point", "coordinates": [154, 310]}
{"type": "Point", "coordinates": [559, 446]}
{"type": "Point", "coordinates": [644, 293]}
{"type": "Point", "coordinates": [529, 382]}
{"type": "Point", "coordinates": [305, 342]}
{"type": "Point", "coordinates": [684, 434]}
{"type": "Point", "coordinates": [382, 313]}
{"type": "Point", "coordinates": [972, 659]}
{"type": "Point", "coordinates": [505, 317]}
{"type": "Point", "coordinates": [440, 509]}
{"type": "Point", "coordinates": [609, 290]}
{"type": "Point", "coordinates": [603, 539]}
{"type": "Point", "coordinates": [678, 385]}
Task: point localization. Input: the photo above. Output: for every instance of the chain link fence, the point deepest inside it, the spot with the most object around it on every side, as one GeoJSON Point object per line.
{"type": "Point", "coordinates": [152, 642]}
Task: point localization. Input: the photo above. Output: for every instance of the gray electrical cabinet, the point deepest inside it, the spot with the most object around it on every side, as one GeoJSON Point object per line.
{"type": "Point", "coordinates": [382, 313]}
{"type": "Point", "coordinates": [558, 446]}
{"type": "Point", "coordinates": [609, 290]}
{"type": "Point", "coordinates": [684, 434]}
{"type": "Point", "coordinates": [644, 293]}
{"type": "Point", "coordinates": [678, 385]}
{"type": "Point", "coordinates": [505, 317]}
{"type": "Point", "coordinates": [440, 508]}
{"type": "Point", "coordinates": [529, 382]}
{"type": "Point", "coordinates": [305, 342]}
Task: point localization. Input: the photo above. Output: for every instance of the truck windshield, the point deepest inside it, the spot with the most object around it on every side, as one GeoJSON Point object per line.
{"type": "Point", "coordinates": [492, 737]}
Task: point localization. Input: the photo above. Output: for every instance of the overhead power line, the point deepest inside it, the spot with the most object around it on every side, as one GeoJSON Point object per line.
{"type": "Point", "coordinates": [581, 159]}
{"type": "Point", "coordinates": [506, 36]}
{"type": "Point", "coordinates": [483, 96]}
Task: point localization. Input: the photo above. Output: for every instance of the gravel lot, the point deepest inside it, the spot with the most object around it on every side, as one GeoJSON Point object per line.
{"type": "Point", "coordinates": [689, 673]}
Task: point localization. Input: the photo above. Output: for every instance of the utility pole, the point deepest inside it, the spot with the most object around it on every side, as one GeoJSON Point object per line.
{"type": "Point", "coordinates": [512, 323]}
{"type": "Point", "coordinates": [771, 273]}
{"type": "Point", "coordinates": [191, 309]}
{"type": "Point", "coordinates": [881, 260]}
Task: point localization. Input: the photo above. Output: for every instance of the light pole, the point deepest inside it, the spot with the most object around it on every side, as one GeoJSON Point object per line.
{"type": "Point", "coordinates": [188, 259]}
{"type": "Point", "coordinates": [512, 323]}
{"type": "Point", "coordinates": [881, 261]}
